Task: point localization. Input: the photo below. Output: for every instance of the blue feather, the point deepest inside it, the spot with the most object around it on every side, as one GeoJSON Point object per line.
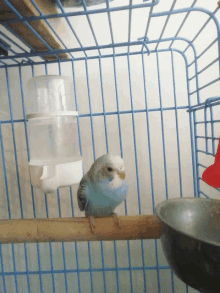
{"type": "Point", "coordinates": [103, 201]}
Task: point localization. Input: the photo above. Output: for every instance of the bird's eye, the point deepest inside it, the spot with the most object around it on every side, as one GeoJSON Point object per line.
{"type": "Point", "coordinates": [110, 169]}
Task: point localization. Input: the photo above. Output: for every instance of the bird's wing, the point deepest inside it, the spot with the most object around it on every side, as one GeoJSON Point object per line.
{"type": "Point", "coordinates": [83, 192]}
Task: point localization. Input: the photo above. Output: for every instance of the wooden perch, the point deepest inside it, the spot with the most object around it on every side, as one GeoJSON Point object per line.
{"type": "Point", "coordinates": [26, 8]}
{"type": "Point", "coordinates": [78, 229]}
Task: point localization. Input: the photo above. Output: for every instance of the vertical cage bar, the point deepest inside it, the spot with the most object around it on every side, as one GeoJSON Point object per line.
{"type": "Point", "coordinates": [107, 150]}
{"type": "Point", "coordinates": [162, 126]}
{"type": "Point", "coordinates": [17, 170]}
{"type": "Point", "coordinates": [60, 215]}
{"type": "Point", "coordinates": [2, 269]}
{"type": "Point", "coordinates": [121, 150]}
{"type": "Point", "coordinates": [63, 246]}
{"type": "Point", "coordinates": [110, 26]}
{"type": "Point", "coordinates": [129, 25]}
{"type": "Point", "coordinates": [14, 141]}
{"type": "Point", "coordinates": [50, 248]}
{"type": "Point", "coordinates": [103, 105]}
{"type": "Point", "coordinates": [134, 136]}
{"type": "Point", "coordinates": [33, 203]}
{"type": "Point", "coordinates": [5, 172]}
{"type": "Point", "coordinates": [178, 144]}
{"type": "Point", "coordinates": [158, 267]}
{"type": "Point", "coordinates": [80, 148]}
{"type": "Point", "coordinates": [116, 267]}
{"type": "Point", "coordinates": [90, 25]}
{"type": "Point", "coordinates": [77, 107]}
{"type": "Point", "coordinates": [213, 131]}
{"type": "Point", "coordinates": [14, 267]}
{"type": "Point", "coordinates": [94, 156]}
{"type": "Point", "coordinates": [206, 130]}
{"type": "Point", "coordinates": [47, 215]}
{"type": "Point", "coordinates": [118, 111]}
{"type": "Point", "coordinates": [32, 192]}
{"type": "Point", "coordinates": [26, 263]}
{"type": "Point", "coordinates": [129, 262]}
{"type": "Point", "coordinates": [103, 266]}
{"type": "Point", "coordinates": [147, 27]}
{"type": "Point", "coordinates": [90, 109]}
{"type": "Point", "coordinates": [150, 160]}
{"type": "Point", "coordinates": [197, 155]}
{"type": "Point", "coordinates": [136, 165]}
{"type": "Point", "coordinates": [120, 138]}
{"type": "Point", "coordinates": [8, 203]}
{"type": "Point", "coordinates": [151, 170]}
{"type": "Point", "coordinates": [26, 132]}
{"type": "Point", "coordinates": [51, 255]}
{"type": "Point", "coordinates": [148, 133]}
{"type": "Point", "coordinates": [177, 124]}
{"type": "Point", "coordinates": [165, 24]}
{"type": "Point", "coordinates": [143, 262]}
{"type": "Point", "coordinates": [70, 25]}
{"type": "Point", "coordinates": [194, 145]}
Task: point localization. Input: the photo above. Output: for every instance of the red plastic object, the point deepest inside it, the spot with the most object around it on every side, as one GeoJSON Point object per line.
{"type": "Point", "coordinates": [212, 174]}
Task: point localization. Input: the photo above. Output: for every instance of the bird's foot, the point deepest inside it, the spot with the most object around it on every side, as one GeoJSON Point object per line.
{"type": "Point", "coordinates": [92, 224]}
{"type": "Point", "coordinates": [117, 221]}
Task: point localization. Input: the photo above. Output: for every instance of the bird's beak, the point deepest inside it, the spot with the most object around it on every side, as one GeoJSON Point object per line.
{"type": "Point", "coordinates": [121, 175]}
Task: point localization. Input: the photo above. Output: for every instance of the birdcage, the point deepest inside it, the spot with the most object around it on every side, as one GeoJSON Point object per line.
{"type": "Point", "coordinates": [145, 80]}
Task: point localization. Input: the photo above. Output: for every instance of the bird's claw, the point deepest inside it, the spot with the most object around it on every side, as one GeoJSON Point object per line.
{"type": "Point", "coordinates": [117, 221]}
{"type": "Point", "coordinates": [92, 224]}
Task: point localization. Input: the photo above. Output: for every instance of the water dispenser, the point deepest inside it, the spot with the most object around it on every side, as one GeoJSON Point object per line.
{"type": "Point", "coordinates": [55, 159]}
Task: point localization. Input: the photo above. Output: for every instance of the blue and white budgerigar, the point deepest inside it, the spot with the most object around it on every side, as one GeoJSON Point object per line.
{"type": "Point", "coordinates": [103, 188]}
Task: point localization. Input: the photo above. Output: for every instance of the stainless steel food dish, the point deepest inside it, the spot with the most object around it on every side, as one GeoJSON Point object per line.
{"type": "Point", "coordinates": [191, 240]}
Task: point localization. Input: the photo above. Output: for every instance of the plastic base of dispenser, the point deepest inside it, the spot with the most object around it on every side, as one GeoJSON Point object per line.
{"type": "Point", "coordinates": [50, 177]}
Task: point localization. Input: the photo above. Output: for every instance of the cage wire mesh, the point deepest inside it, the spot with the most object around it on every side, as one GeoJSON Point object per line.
{"type": "Point", "coordinates": [146, 84]}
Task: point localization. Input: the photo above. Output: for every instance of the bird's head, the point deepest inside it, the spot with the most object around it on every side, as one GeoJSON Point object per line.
{"type": "Point", "coordinates": [108, 167]}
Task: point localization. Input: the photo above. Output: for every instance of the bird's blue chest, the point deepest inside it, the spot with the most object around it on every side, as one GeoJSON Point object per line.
{"type": "Point", "coordinates": [103, 199]}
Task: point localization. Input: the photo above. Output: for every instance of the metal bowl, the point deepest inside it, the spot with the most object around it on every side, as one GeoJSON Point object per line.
{"type": "Point", "coordinates": [191, 240]}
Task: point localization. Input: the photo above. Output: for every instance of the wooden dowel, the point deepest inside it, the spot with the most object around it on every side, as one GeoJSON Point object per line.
{"type": "Point", "coordinates": [78, 229]}
{"type": "Point", "coordinates": [27, 8]}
